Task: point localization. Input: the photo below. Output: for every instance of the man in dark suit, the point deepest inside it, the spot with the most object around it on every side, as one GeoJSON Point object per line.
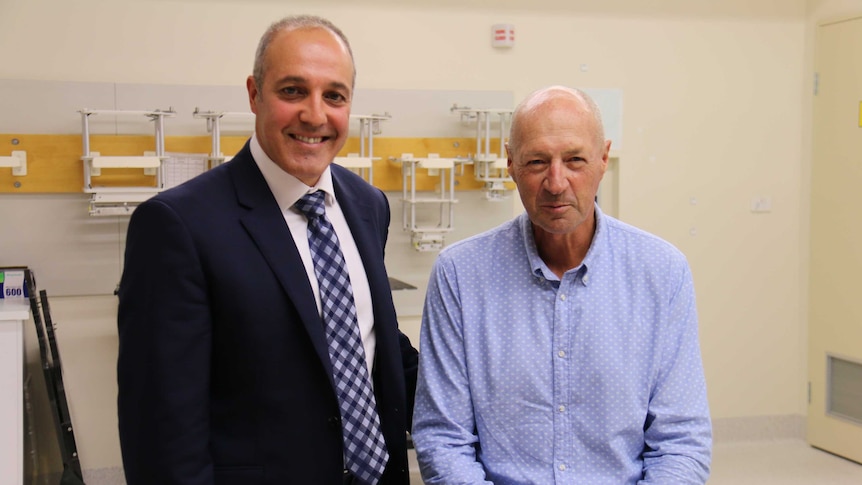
{"type": "Point", "coordinates": [225, 370]}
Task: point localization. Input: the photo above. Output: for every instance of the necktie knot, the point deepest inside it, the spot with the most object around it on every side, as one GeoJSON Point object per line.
{"type": "Point", "coordinates": [311, 205]}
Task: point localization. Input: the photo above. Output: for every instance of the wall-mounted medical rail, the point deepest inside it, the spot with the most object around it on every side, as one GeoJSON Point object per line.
{"type": "Point", "coordinates": [122, 200]}
{"type": "Point", "coordinates": [216, 157]}
{"type": "Point", "coordinates": [489, 167]}
{"type": "Point", "coordinates": [428, 237]}
{"type": "Point", "coordinates": [363, 162]}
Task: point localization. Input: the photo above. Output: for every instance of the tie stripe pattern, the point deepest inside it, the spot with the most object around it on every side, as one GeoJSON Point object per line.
{"type": "Point", "coordinates": [364, 448]}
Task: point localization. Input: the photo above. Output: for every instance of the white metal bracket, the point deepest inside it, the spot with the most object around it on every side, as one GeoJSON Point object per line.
{"type": "Point", "coordinates": [213, 118]}
{"type": "Point", "coordinates": [18, 162]}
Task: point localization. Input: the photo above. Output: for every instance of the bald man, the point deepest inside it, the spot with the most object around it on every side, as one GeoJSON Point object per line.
{"type": "Point", "coordinates": [562, 346]}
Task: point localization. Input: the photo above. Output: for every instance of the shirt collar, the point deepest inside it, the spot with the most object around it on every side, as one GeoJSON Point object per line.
{"type": "Point", "coordinates": [541, 269]}
{"type": "Point", "coordinates": [286, 188]}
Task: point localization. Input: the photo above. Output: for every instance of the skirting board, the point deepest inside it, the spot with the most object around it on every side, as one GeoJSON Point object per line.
{"type": "Point", "coordinates": [758, 428]}
{"type": "Point", "coordinates": [105, 476]}
{"type": "Point", "coordinates": [97, 476]}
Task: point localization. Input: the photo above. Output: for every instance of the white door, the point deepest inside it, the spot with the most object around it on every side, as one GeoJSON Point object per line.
{"type": "Point", "coordinates": [835, 325]}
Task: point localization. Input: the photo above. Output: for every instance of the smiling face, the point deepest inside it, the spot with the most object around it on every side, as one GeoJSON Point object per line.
{"type": "Point", "coordinates": [557, 158]}
{"type": "Point", "coordinates": [302, 105]}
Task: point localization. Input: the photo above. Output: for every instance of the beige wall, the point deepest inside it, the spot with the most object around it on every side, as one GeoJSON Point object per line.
{"type": "Point", "coordinates": [716, 112]}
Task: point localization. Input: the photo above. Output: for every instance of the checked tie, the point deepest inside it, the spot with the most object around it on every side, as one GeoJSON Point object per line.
{"type": "Point", "coordinates": [364, 448]}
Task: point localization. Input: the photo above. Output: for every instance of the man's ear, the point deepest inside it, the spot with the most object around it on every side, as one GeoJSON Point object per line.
{"type": "Point", "coordinates": [251, 86]}
{"type": "Point", "coordinates": [509, 160]}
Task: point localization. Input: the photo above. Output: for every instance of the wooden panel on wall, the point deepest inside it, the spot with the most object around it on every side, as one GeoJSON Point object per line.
{"type": "Point", "coordinates": [54, 161]}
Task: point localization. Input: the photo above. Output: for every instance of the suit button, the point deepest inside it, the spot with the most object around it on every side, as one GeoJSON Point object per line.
{"type": "Point", "coordinates": [334, 421]}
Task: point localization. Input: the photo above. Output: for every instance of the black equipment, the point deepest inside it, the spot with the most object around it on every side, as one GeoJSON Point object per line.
{"type": "Point", "coordinates": [52, 369]}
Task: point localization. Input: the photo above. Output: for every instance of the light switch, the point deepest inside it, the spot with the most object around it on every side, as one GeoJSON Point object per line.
{"type": "Point", "coordinates": [761, 204]}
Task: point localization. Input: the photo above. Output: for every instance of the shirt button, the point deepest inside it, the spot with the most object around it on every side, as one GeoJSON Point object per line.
{"type": "Point", "coordinates": [562, 409]}
{"type": "Point", "coordinates": [563, 297]}
{"type": "Point", "coordinates": [586, 279]}
{"type": "Point", "coordinates": [561, 353]}
{"type": "Point", "coordinates": [562, 468]}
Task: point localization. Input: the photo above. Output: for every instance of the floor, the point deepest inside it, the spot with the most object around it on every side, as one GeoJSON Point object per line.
{"type": "Point", "coordinates": [790, 462]}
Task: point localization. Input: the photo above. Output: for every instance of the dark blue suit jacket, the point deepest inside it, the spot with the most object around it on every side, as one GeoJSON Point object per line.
{"type": "Point", "coordinates": [224, 375]}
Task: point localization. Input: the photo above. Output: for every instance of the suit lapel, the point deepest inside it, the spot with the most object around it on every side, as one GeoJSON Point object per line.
{"type": "Point", "coordinates": [360, 217]}
{"type": "Point", "coordinates": [363, 220]}
{"type": "Point", "coordinates": [357, 212]}
{"type": "Point", "coordinates": [265, 224]}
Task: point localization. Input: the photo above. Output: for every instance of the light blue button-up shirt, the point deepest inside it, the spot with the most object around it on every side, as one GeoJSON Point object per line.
{"type": "Point", "coordinates": [594, 378]}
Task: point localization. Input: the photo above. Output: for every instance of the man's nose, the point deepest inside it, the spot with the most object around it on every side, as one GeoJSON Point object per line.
{"type": "Point", "coordinates": [313, 111]}
{"type": "Point", "coordinates": [555, 179]}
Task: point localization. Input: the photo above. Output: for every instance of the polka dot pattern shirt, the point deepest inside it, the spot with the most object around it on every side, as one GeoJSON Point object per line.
{"type": "Point", "coordinates": [594, 378]}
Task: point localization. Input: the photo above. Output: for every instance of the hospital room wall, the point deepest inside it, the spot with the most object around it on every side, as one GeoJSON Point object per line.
{"type": "Point", "coordinates": [713, 116]}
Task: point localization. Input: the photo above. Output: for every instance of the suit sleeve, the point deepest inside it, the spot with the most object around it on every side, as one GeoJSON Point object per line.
{"type": "Point", "coordinates": [163, 370]}
{"type": "Point", "coordinates": [410, 362]}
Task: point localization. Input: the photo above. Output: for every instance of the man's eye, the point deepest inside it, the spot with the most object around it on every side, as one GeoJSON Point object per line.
{"type": "Point", "coordinates": [335, 97]}
{"type": "Point", "coordinates": [290, 91]}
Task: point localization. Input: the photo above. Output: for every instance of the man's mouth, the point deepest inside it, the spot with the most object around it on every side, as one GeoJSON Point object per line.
{"type": "Point", "coordinates": [555, 206]}
{"type": "Point", "coordinates": [306, 139]}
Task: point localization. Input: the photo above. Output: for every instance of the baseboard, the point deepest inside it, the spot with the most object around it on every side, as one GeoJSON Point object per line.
{"type": "Point", "coordinates": [105, 476]}
{"type": "Point", "coordinates": [758, 428]}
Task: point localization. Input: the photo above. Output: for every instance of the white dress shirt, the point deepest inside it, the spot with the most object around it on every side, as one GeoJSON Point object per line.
{"type": "Point", "coordinates": [288, 189]}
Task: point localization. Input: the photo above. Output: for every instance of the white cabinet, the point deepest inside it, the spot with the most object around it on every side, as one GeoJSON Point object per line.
{"type": "Point", "coordinates": [13, 314]}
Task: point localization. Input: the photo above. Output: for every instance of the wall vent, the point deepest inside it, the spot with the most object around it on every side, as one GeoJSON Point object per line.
{"type": "Point", "coordinates": [844, 389]}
